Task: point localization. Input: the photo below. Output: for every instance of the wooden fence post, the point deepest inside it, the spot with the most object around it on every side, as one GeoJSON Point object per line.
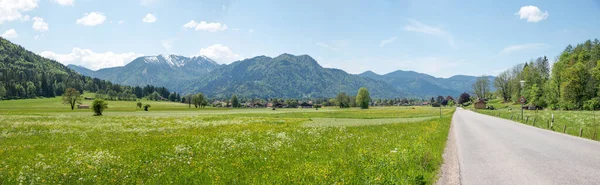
{"type": "Point", "coordinates": [527, 120]}
{"type": "Point", "coordinates": [565, 129]}
{"type": "Point", "coordinates": [533, 121]}
{"type": "Point", "coordinates": [511, 116]}
{"type": "Point", "coordinates": [580, 132]}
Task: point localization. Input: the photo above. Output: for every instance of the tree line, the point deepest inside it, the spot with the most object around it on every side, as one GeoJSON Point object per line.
{"type": "Point", "coordinates": [571, 83]}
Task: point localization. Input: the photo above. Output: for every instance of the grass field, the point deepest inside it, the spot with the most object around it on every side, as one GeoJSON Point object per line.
{"type": "Point", "coordinates": [589, 121]}
{"type": "Point", "coordinates": [42, 141]}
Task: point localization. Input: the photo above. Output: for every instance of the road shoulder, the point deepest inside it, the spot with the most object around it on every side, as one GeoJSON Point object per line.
{"type": "Point", "coordinates": [450, 171]}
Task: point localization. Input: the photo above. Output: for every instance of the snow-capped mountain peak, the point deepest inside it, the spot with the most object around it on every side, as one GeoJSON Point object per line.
{"type": "Point", "coordinates": [178, 61]}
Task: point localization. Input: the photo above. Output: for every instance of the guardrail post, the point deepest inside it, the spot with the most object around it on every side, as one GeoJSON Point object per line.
{"type": "Point", "coordinates": [565, 129]}
{"type": "Point", "coordinates": [533, 121]}
{"type": "Point", "coordinates": [580, 132]}
{"type": "Point", "coordinates": [527, 120]}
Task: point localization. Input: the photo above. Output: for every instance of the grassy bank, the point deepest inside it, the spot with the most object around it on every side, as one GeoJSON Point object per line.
{"type": "Point", "coordinates": [574, 121]}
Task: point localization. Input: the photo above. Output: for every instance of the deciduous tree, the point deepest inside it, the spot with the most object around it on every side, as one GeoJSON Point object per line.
{"type": "Point", "coordinates": [363, 98]}
{"type": "Point", "coordinates": [71, 97]}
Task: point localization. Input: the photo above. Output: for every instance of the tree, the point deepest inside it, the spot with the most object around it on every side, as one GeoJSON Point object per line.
{"type": "Point", "coordinates": [188, 99]}
{"type": "Point", "coordinates": [98, 106]}
{"type": "Point", "coordinates": [71, 97]}
{"type": "Point", "coordinates": [341, 100]}
{"type": "Point", "coordinates": [439, 99]}
{"type": "Point", "coordinates": [502, 84]}
{"type": "Point", "coordinates": [574, 87]}
{"type": "Point", "coordinates": [451, 103]}
{"type": "Point", "coordinates": [535, 94]}
{"type": "Point", "coordinates": [464, 98]}
{"type": "Point", "coordinates": [2, 91]}
{"type": "Point", "coordinates": [139, 105]}
{"type": "Point", "coordinates": [363, 98]}
{"type": "Point", "coordinates": [199, 100]}
{"type": "Point", "coordinates": [481, 87]}
{"type": "Point", "coordinates": [146, 107]}
{"type": "Point", "coordinates": [234, 102]}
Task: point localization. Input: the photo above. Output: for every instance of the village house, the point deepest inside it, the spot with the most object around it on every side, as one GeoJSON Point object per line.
{"type": "Point", "coordinates": [306, 105]}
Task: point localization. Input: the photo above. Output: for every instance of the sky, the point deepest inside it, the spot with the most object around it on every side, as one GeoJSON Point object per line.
{"type": "Point", "coordinates": [440, 37]}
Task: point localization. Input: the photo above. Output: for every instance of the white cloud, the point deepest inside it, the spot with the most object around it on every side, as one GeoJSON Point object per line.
{"type": "Point", "coordinates": [204, 26]}
{"type": "Point", "coordinates": [521, 47]}
{"type": "Point", "coordinates": [219, 53]}
{"type": "Point", "coordinates": [335, 45]}
{"type": "Point", "coordinates": [91, 59]}
{"type": "Point", "coordinates": [11, 10]}
{"type": "Point", "coordinates": [325, 45]}
{"type": "Point", "coordinates": [65, 2]}
{"type": "Point", "coordinates": [168, 44]}
{"type": "Point", "coordinates": [10, 34]}
{"type": "Point", "coordinates": [532, 14]}
{"type": "Point", "coordinates": [121, 22]}
{"type": "Point", "coordinates": [416, 26]}
{"type": "Point", "coordinates": [149, 18]}
{"type": "Point", "coordinates": [91, 19]}
{"type": "Point", "coordinates": [39, 24]}
{"type": "Point", "coordinates": [387, 41]}
{"type": "Point", "coordinates": [251, 30]}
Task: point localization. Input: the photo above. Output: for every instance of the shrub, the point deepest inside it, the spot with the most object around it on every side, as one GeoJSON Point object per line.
{"type": "Point", "coordinates": [139, 105]}
{"type": "Point", "coordinates": [98, 106]}
{"type": "Point", "coordinates": [146, 107]}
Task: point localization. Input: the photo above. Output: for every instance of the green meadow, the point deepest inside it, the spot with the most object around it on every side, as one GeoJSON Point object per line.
{"type": "Point", "coordinates": [575, 121]}
{"type": "Point", "coordinates": [43, 142]}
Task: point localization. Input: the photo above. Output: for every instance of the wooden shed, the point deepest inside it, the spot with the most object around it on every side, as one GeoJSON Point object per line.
{"type": "Point", "coordinates": [479, 104]}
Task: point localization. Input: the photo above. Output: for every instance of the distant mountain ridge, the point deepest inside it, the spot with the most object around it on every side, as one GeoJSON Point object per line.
{"type": "Point", "coordinates": [285, 76]}
{"type": "Point", "coordinates": [426, 85]}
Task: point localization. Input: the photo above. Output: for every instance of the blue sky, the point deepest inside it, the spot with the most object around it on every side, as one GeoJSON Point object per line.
{"type": "Point", "coordinates": [440, 37]}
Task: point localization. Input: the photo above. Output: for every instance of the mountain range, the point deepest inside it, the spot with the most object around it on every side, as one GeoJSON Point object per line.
{"type": "Point", "coordinates": [285, 76]}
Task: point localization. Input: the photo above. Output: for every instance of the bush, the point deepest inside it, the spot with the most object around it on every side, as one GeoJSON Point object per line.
{"type": "Point", "coordinates": [139, 105]}
{"type": "Point", "coordinates": [146, 107]}
{"type": "Point", "coordinates": [98, 107]}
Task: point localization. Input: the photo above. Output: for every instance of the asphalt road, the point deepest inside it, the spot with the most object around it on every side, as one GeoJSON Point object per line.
{"type": "Point", "coordinates": [491, 150]}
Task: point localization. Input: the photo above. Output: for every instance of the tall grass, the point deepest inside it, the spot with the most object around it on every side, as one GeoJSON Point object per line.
{"type": "Point", "coordinates": [348, 146]}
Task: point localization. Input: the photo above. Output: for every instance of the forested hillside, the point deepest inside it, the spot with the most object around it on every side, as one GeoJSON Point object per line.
{"type": "Point", "coordinates": [571, 83]}
{"type": "Point", "coordinates": [24, 74]}
{"type": "Point", "coordinates": [286, 76]}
